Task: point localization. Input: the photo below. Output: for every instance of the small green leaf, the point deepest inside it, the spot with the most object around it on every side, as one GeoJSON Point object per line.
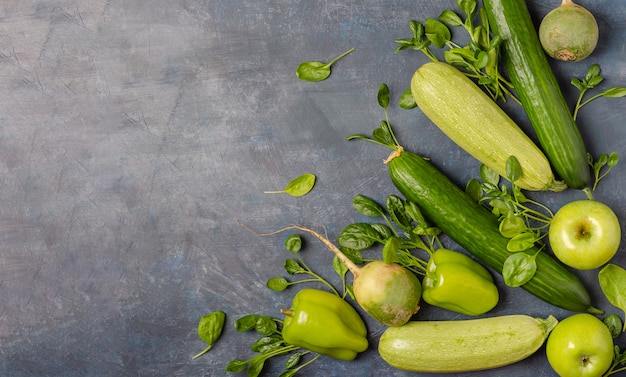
{"type": "Point", "coordinates": [382, 134]}
{"type": "Point", "coordinates": [613, 159]}
{"type": "Point", "coordinates": [293, 267]}
{"type": "Point", "coordinates": [513, 169]}
{"type": "Point", "coordinates": [236, 365]}
{"type": "Point", "coordinates": [437, 32]}
{"type": "Point", "coordinates": [481, 60]}
{"type": "Point", "coordinates": [366, 206]}
{"type": "Point", "coordinates": [407, 101]}
{"type": "Point", "coordinates": [449, 17]}
{"type": "Point", "coordinates": [390, 250]}
{"type": "Point", "coordinates": [255, 366]}
{"type": "Point", "coordinates": [592, 71]}
{"type": "Point", "coordinates": [293, 243]}
{"type": "Point", "coordinates": [396, 209]}
{"type": "Point", "coordinates": [293, 360]}
{"type": "Point", "coordinates": [616, 92]}
{"type": "Point", "coordinates": [474, 189]}
{"type": "Point", "coordinates": [489, 175]}
{"type": "Point", "coordinates": [317, 71]}
{"type": "Point", "coordinates": [417, 28]}
{"type": "Point", "coordinates": [265, 325]}
{"type": "Point", "coordinates": [382, 230]}
{"type": "Point", "coordinates": [358, 236]}
{"type": "Point", "coordinates": [467, 6]}
{"type": "Point", "coordinates": [521, 242]}
{"type": "Point", "coordinates": [267, 343]}
{"type": "Point", "coordinates": [340, 268]}
{"type": "Point", "coordinates": [210, 329]}
{"type": "Point", "coordinates": [246, 323]}
{"type": "Point", "coordinates": [518, 269]}
{"type": "Point", "coordinates": [593, 82]}
{"type": "Point", "coordinates": [578, 84]}
{"type": "Point", "coordinates": [383, 96]}
{"type": "Point", "coordinates": [299, 186]}
{"type": "Point", "coordinates": [512, 225]}
{"type": "Point", "coordinates": [353, 254]}
{"type": "Point", "coordinates": [614, 323]}
{"type": "Point", "coordinates": [277, 284]}
{"type": "Point", "coordinates": [612, 279]}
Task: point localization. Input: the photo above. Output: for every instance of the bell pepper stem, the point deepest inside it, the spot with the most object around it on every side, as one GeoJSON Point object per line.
{"type": "Point", "coordinates": [287, 312]}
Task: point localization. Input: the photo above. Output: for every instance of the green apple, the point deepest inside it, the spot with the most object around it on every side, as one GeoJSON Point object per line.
{"type": "Point", "coordinates": [584, 234]}
{"type": "Point", "coordinates": [580, 346]}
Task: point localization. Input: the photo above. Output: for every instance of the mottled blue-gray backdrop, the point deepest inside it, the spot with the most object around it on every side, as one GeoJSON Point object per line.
{"type": "Point", "coordinates": [134, 135]}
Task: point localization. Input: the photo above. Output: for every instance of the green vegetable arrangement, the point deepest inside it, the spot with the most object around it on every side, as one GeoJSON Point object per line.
{"type": "Point", "coordinates": [451, 280]}
{"type": "Point", "coordinates": [471, 225]}
{"type": "Point", "coordinates": [538, 90]}
{"type": "Point", "coordinates": [492, 219]}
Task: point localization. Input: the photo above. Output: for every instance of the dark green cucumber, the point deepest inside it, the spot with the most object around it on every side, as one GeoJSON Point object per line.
{"type": "Point", "coordinates": [475, 229]}
{"type": "Point", "coordinates": [538, 90]}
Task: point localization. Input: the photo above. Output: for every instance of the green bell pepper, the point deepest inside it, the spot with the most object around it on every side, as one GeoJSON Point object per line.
{"type": "Point", "coordinates": [456, 282]}
{"type": "Point", "coordinates": [323, 322]}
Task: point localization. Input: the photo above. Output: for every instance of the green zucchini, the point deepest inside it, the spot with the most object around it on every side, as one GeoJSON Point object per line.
{"type": "Point", "coordinates": [538, 90]}
{"type": "Point", "coordinates": [475, 228]}
{"type": "Point", "coordinates": [478, 125]}
{"type": "Point", "coordinates": [464, 345]}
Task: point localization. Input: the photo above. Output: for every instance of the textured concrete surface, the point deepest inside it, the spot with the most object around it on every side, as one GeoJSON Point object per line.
{"type": "Point", "coordinates": [136, 135]}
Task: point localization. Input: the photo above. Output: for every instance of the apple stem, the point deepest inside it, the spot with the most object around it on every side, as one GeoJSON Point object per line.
{"type": "Point", "coordinates": [588, 193]}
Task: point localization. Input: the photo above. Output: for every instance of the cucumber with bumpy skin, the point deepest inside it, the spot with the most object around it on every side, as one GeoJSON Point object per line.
{"type": "Point", "coordinates": [478, 125]}
{"type": "Point", "coordinates": [538, 90]}
{"type": "Point", "coordinates": [464, 345]}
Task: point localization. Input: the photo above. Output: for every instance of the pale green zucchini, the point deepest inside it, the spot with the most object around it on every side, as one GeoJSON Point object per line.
{"type": "Point", "coordinates": [464, 345]}
{"type": "Point", "coordinates": [478, 125]}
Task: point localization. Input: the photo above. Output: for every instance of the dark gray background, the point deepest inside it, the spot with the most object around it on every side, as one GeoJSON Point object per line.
{"type": "Point", "coordinates": [135, 134]}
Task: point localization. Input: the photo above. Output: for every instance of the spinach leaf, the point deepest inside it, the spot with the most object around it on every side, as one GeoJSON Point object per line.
{"type": "Point", "coordinates": [317, 71]}
{"type": "Point", "coordinates": [210, 329]}
{"type": "Point", "coordinates": [299, 186]}
{"type": "Point", "coordinates": [518, 269]}
{"type": "Point", "coordinates": [612, 280]}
